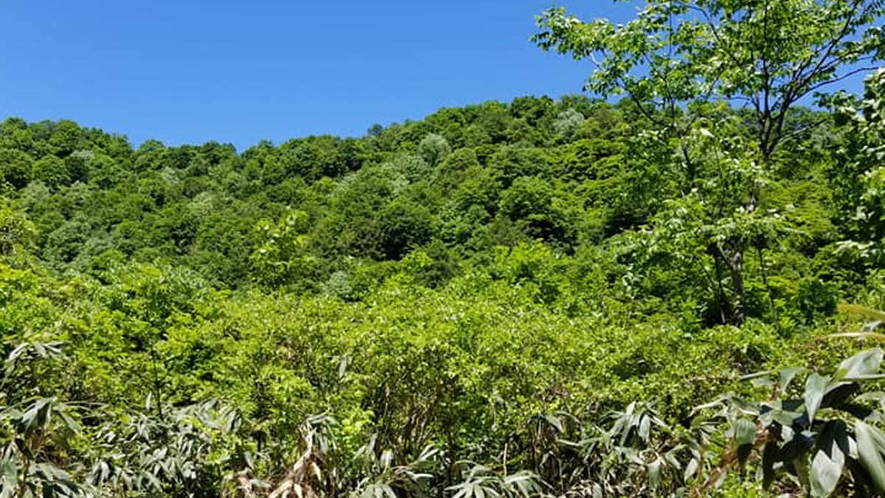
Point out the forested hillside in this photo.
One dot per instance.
(533, 298)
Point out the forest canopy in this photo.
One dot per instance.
(666, 288)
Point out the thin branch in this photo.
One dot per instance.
(841, 77)
(843, 32)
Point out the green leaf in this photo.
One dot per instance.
(744, 431)
(815, 387)
(869, 455)
(523, 484)
(762, 382)
(877, 396)
(690, 468)
(787, 376)
(554, 422)
(838, 393)
(654, 474)
(784, 417)
(861, 366)
(8, 478)
(829, 459)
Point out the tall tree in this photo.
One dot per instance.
(676, 58)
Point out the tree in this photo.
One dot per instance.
(52, 171)
(768, 55)
(79, 165)
(15, 167)
(434, 148)
(403, 224)
(534, 204)
(16, 231)
(856, 174)
(567, 122)
(282, 254)
(677, 58)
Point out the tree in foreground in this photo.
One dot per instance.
(681, 63)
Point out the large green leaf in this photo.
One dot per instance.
(8, 478)
(744, 432)
(786, 376)
(869, 454)
(829, 459)
(862, 366)
(523, 484)
(654, 473)
(815, 388)
(744, 437)
(838, 393)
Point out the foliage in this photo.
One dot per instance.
(822, 440)
(514, 299)
(679, 62)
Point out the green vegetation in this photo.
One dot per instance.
(571, 297)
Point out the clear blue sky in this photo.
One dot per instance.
(189, 71)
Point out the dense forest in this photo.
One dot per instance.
(668, 293)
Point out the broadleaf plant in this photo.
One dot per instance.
(825, 440)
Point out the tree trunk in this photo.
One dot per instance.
(739, 316)
(733, 260)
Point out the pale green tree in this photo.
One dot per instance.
(434, 148)
(567, 122)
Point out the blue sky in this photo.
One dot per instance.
(189, 71)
